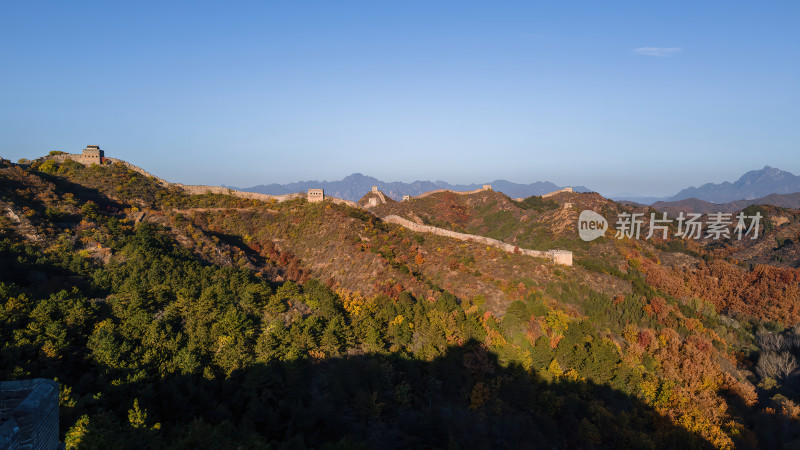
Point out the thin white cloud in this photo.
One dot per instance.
(657, 51)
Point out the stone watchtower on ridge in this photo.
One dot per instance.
(316, 195)
(91, 155)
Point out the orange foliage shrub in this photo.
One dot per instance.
(766, 292)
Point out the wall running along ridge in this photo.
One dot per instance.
(550, 194)
(194, 189)
(425, 194)
(563, 257)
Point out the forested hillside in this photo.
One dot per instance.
(178, 321)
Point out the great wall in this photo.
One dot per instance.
(486, 187)
(550, 194)
(29, 409)
(93, 155)
(191, 189)
(562, 257)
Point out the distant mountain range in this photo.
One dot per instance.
(355, 186)
(753, 185)
(693, 205)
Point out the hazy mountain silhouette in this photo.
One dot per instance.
(354, 186)
(752, 185)
(693, 205)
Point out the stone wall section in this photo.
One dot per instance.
(195, 189)
(563, 257)
(550, 194)
(425, 194)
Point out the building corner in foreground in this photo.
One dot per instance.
(29, 414)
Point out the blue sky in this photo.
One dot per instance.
(645, 97)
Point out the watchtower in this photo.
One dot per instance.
(316, 195)
(92, 155)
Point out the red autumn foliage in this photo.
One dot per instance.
(646, 338)
(765, 292)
